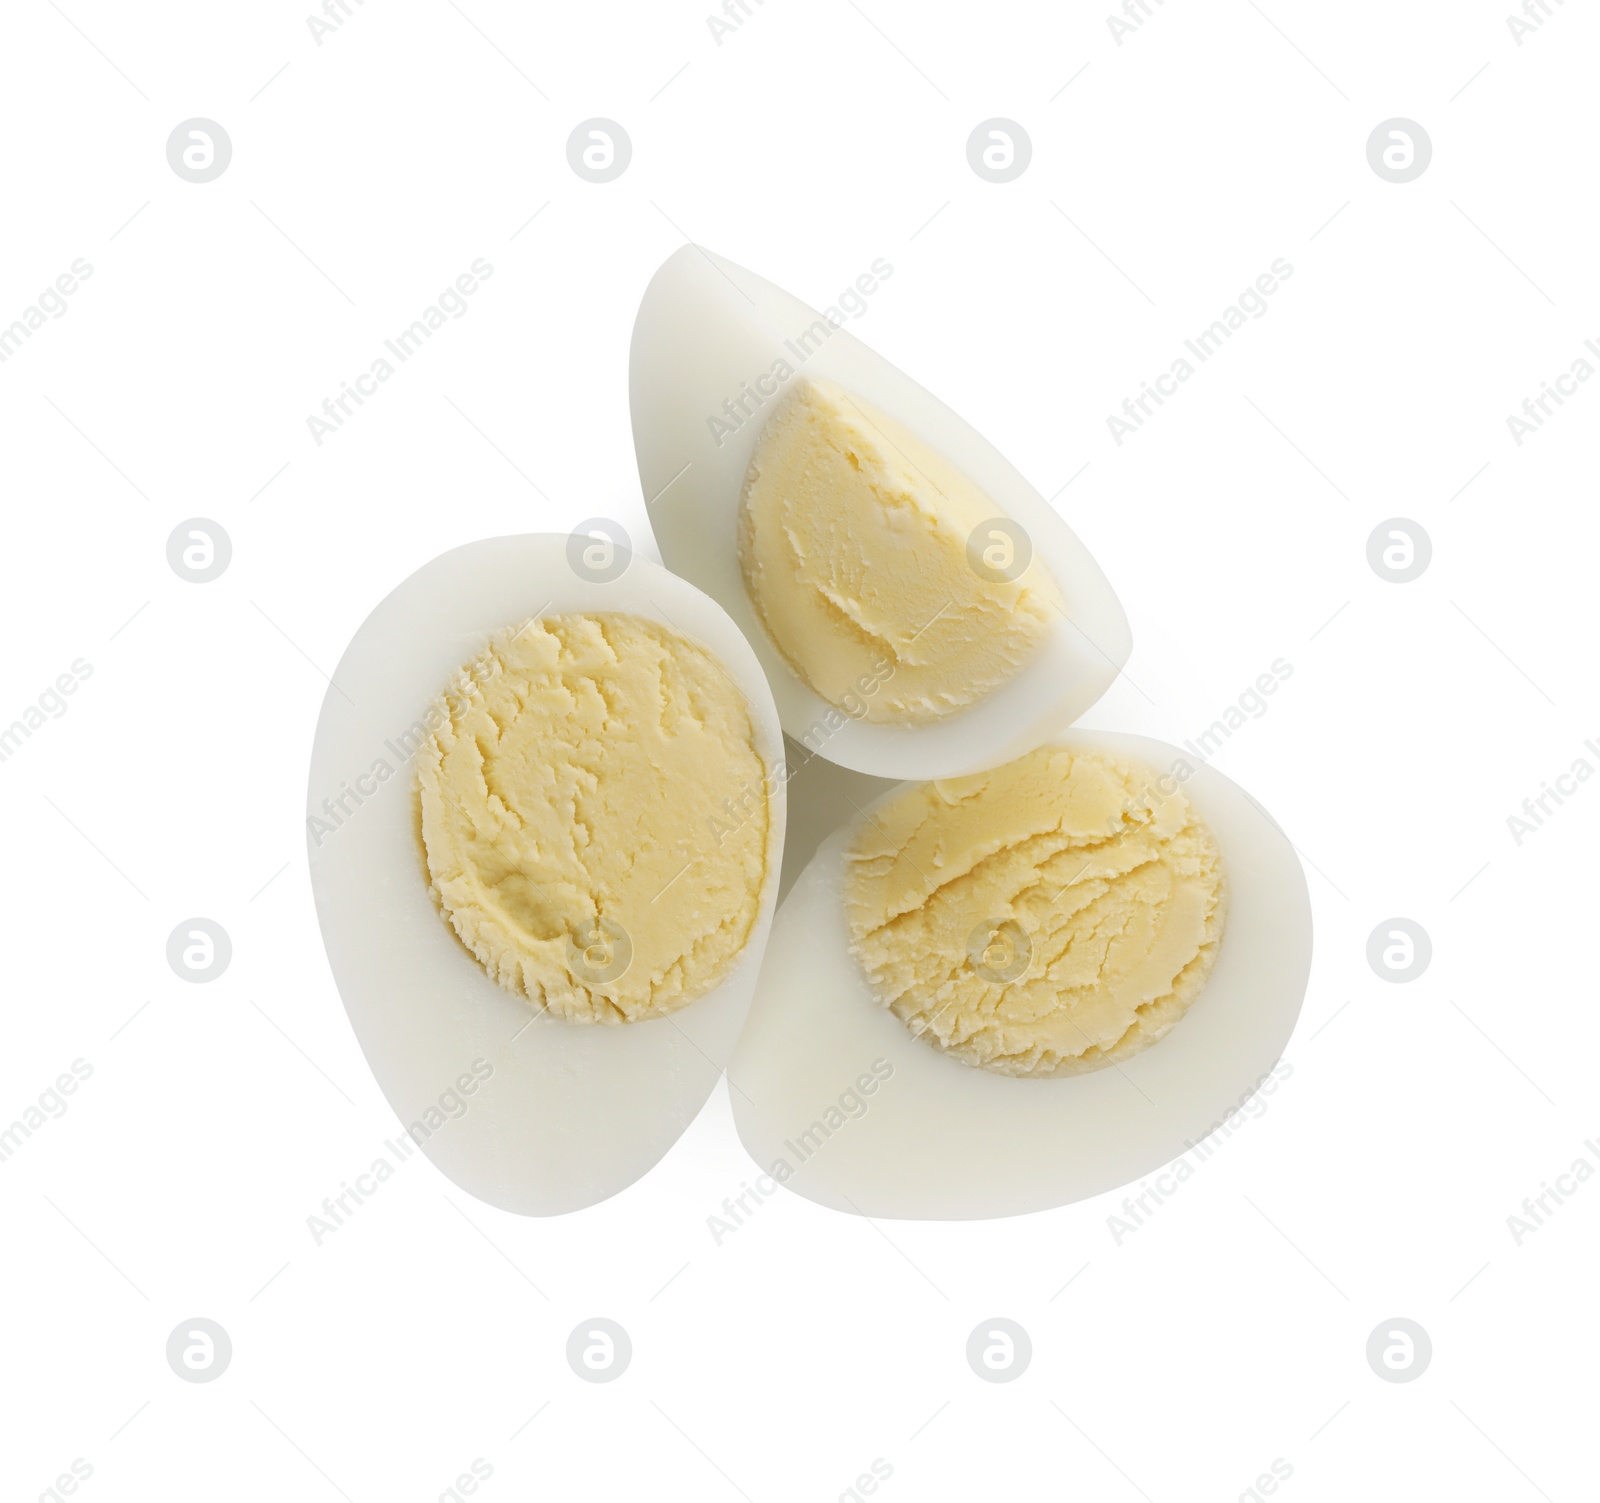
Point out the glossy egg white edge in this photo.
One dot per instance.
(561, 1115)
(707, 328)
(934, 1139)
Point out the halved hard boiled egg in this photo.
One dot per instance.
(545, 819)
(919, 609)
(1009, 991)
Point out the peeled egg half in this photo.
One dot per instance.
(717, 353)
(835, 1096)
(519, 1107)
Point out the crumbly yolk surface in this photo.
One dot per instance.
(1049, 917)
(866, 556)
(568, 791)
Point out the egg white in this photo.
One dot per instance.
(572, 1113)
(941, 1140)
(706, 329)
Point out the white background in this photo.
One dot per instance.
(1167, 173)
